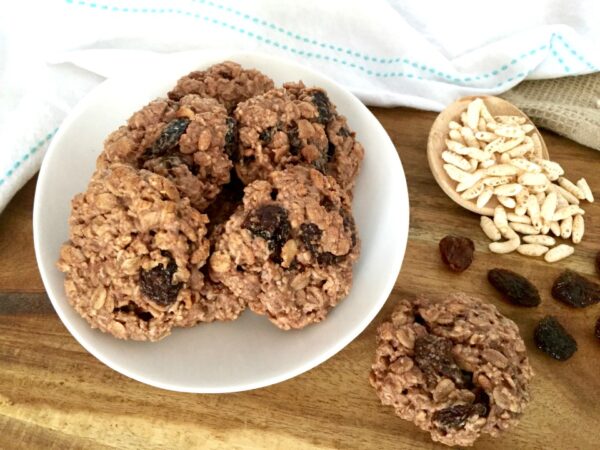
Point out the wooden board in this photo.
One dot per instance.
(54, 395)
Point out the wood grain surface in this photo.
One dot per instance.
(54, 395)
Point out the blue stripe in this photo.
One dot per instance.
(429, 72)
(27, 155)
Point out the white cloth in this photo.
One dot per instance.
(418, 53)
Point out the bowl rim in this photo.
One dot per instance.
(394, 263)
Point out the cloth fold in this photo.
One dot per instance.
(415, 53)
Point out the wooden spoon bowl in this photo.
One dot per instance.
(436, 144)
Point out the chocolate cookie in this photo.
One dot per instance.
(456, 368)
(188, 141)
(289, 249)
(295, 125)
(226, 82)
(132, 264)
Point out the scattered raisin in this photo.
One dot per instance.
(456, 416)
(133, 308)
(457, 252)
(271, 223)
(575, 290)
(597, 330)
(349, 225)
(169, 138)
(344, 132)
(231, 136)
(294, 141)
(328, 258)
(310, 234)
(327, 203)
(598, 262)
(321, 101)
(267, 135)
(551, 338)
(514, 287)
(433, 355)
(157, 283)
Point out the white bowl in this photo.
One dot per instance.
(250, 352)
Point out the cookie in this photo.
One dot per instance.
(456, 367)
(132, 263)
(295, 125)
(289, 248)
(188, 142)
(227, 82)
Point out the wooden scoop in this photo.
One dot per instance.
(437, 144)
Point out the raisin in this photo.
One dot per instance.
(271, 223)
(133, 308)
(597, 330)
(456, 416)
(514, 287)
(321, 101)
(328, 258)
(310, 234)
(344, 132)
(231, 136)
(457, 252)
(433, 355)
(294, 141)
(551, 338)
(327, 203)
(575, 290)
(169, 138)
(267, 135)
(598, 263)
(349, 225)
(157, 283)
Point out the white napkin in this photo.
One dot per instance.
(416, 53)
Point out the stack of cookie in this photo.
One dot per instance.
(229, 193)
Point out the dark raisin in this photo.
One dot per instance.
(271, 223)
(248, 159)
(294, 141)
(327, 203)
(551, 338)
(321, 101)
(457, 252)
(514, 287)
(157, 283)
(310, 235)
(598, 263)
(231, 137)
(274, 193)
(433, 355)
(349, 224)
(344, 132)
(133, 308)
(169, 138)
(575, 290)
(597, 330)
(456, 417)
(267, 135)
(328, 258)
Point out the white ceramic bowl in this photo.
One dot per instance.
(250, 352)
